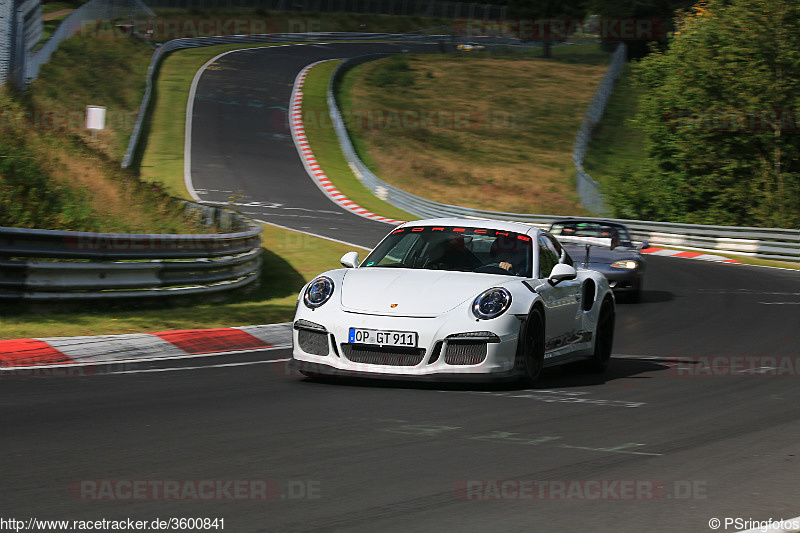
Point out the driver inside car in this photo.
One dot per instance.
(507, 255)
(452, 254)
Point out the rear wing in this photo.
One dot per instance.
(595, 241)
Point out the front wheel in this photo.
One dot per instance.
(603, 338)
(530, 349)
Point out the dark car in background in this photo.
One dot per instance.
(605, 247)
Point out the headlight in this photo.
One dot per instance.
(491, 303)
(318, 292)
(627, 264)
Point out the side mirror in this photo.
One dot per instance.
(644, 245)
(349, 260)
(562, 272)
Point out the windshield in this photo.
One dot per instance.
(459, 249)
(595, 230)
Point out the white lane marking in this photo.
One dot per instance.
(779, 303)
(767, 266)
(759, 370)
(551, 396)
(145, 360)
(634, 356)
(315, 235)
(748, 292)
(222, 365)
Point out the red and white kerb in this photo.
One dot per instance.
(310, 162)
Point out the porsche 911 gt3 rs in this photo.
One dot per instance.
(455, 299)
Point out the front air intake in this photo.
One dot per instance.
(465, 352)
(313, 342)
(383, 355)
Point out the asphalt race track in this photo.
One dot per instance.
(242, 146)
(653, 445)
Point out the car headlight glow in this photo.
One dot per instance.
(318, 292)
(627, 264)
(491, 303)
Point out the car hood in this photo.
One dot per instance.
(601, 254)
(407, 292)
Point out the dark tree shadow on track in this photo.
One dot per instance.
(565, 376)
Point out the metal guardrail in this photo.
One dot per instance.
(589, 191)
(67, 265)
(770, 243)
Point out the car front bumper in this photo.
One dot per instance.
(444, 350)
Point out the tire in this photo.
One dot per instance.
(530, 349)
(603, 338)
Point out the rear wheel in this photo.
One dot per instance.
(604, 338)
(530, 349)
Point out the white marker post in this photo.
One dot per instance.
(95, 119)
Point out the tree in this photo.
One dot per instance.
(659, 12)
(722, 116)
(568, 11)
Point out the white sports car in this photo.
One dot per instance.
(454, 299)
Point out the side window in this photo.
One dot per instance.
(559, 250)
(548, 257)
(399, 251)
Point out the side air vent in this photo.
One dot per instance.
(587, 294)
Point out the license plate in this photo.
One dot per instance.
(383, 338)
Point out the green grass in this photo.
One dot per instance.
(510, 149)
(53, 173)
(617, 145)
(584, 54)
(85, 71)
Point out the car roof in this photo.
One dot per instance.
(501, 225)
